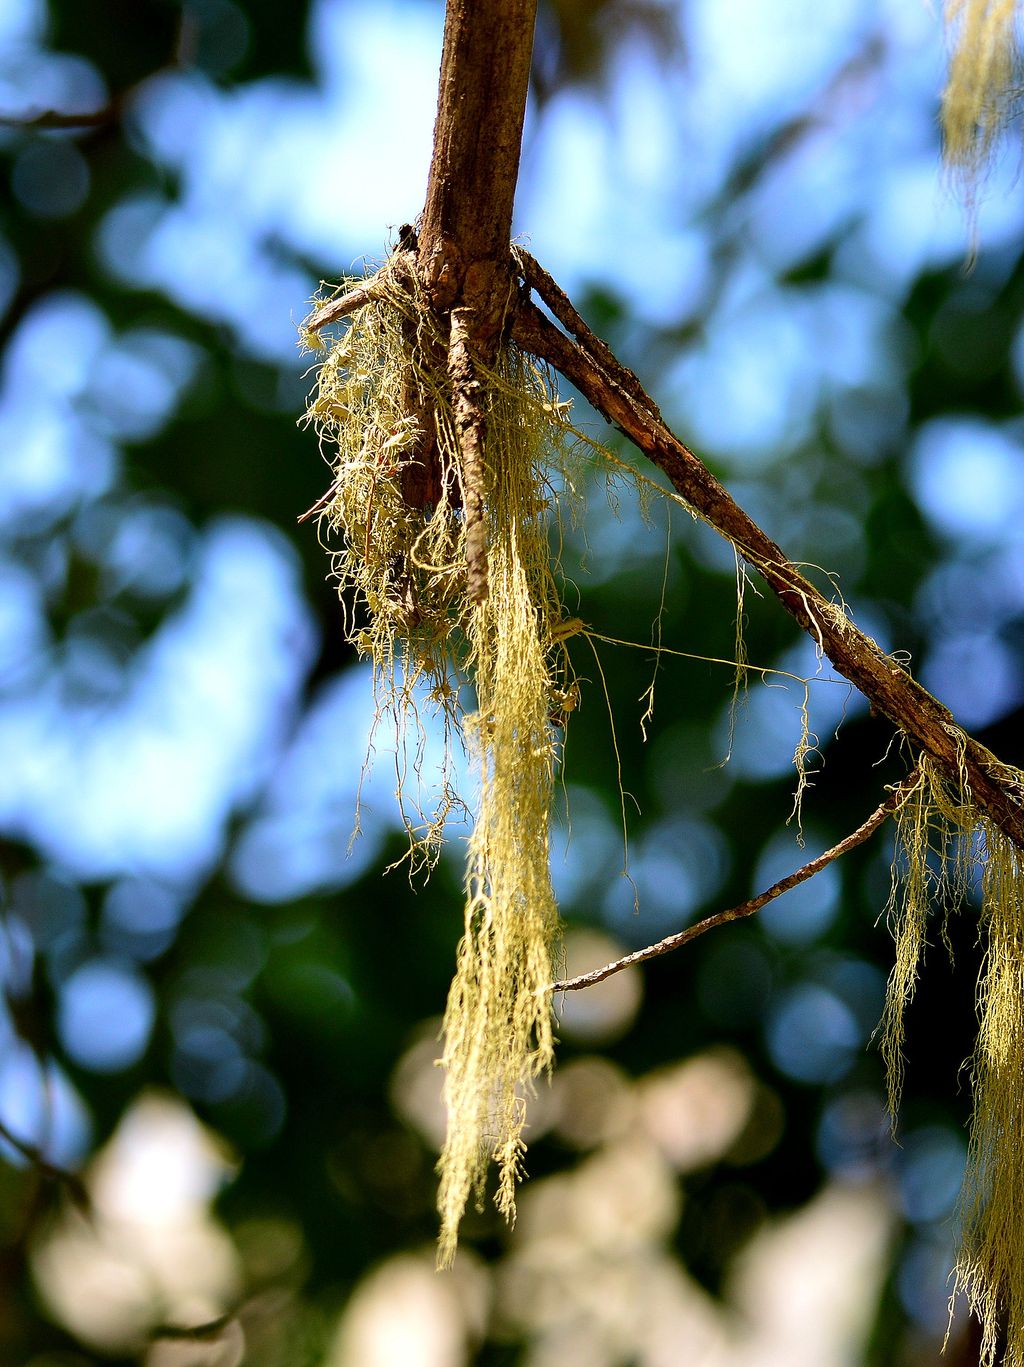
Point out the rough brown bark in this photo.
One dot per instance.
(467, 394)
(464, 255)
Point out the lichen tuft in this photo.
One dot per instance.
(943, 842)
(393, 518)
(982, 90)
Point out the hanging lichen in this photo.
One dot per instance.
(484, 648)
(931, 868)
(990, 1269)
(943, 840)
(498, 1033)
(395, 510)
(982, 85)
(398, 560)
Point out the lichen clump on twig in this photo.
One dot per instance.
(982, 91)
(394, 519)
(944, 840)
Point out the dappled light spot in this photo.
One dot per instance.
(271, 1248)
(41, 79)
(51, 179)
(922, 1281)
(978, 676)
(140, 917)
(51, 909)
(854, 1139)
(965, 473)
(806, 912)
(595, 1101)
(695, 1111)
(324, 817)
(751, 392)
(222, 1346)
(54, 347)
(606, 1010)
(217, 1038)
(971, 593)
(617, 1202)
(415, 1092)
(415, 1086)
(138, 381)
(253, 1106)
(105, 1015)
(675, 867)
(149, 784)
(930, 1170)
(151, 1252)
(583, 845)
(807, 1285)
(812, 1034)
(588, 1277)
(403, 1312)
(40, 1107)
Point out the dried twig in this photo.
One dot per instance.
(563, 309)
(50, 1171)
(737, 913)
(341, 307)
(46, 119)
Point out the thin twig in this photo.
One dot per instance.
(341, 307)
(471, 424)
(41, 1165)
(55, 118)
(315, 509)
(737, 913)
(208, 1332)
(563, 309)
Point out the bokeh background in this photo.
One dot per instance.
(218, 1099)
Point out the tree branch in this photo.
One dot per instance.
(464, 261)
(609, 387)
(737, 913)
(341, 307)
(552, 294)
(464, 254)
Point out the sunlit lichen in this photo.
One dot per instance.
(393, 519)
(943, 841)
(982, 86)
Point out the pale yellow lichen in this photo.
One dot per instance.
(930, 867)
(990, 1268)
(498, 1034)
(943, 840)
(982, 85)
(381, 387)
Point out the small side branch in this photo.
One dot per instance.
(341, 307)
(738, 913)
(471, 425)
(50, 1172)
(552, 294)
(45, 119)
